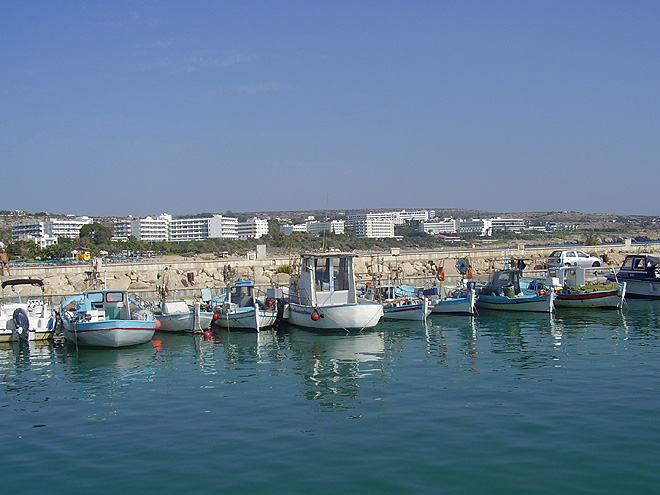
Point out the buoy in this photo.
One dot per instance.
(315, 315)
(157, 324)
(215, 316)
(207, 334)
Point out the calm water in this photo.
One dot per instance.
(495, 404)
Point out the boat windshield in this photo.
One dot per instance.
(339, 267)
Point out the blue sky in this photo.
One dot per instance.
(143, 107)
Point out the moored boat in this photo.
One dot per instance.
(503, 292)
(240, 308)
(25, 314)
(324, 295)
(641, 273)
(460, 299)
(106, 318)
(179, 316)
(400, 302)
(573, 292)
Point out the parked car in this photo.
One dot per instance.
(573, 257)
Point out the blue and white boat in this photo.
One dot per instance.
(240, 308)
(503, 292)
(458, 300)
(641, 273)
(106, 318)
(400, 302)
(324, 295)
(179, 316)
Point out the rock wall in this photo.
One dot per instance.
(410, 267)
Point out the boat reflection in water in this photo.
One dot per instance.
(100, 367)
(332, 365)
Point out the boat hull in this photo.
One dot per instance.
(109, 333)
(416, 311)
(538, 304)
(460, 305)
(612, 299)
(41, 328)
(357, 316)
(245, 318)
(646, 289)
(33, 335)
(184, 322)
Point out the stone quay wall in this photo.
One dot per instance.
(187, 274)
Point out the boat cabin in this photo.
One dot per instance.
(503, 282)
(325, 280)
(242, 293)
(105, 304)
(640, 266)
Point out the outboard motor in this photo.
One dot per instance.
(22, 323)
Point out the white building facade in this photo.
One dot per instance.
(46, 233)
(445, 226)
(197, 229)
(253, 228)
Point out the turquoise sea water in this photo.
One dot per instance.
(500, 403)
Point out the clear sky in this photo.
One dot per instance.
(144, 107)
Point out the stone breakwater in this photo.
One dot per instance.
(185, 273)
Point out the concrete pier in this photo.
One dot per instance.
(201, 272)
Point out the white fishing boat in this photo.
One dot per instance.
(324, 295)
(106, 318)
(641, 272)
(503, 292)
(240, 308)
(25, 314)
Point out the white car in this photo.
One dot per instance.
(573, 257)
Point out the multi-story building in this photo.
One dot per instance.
(166, 228)
(148, 229)
(197, 229)
(317, 228)
(508, 224)
(475, 226)
(392, 216)
(46, 233)
(374, 228)
(289, 229)
(445, 226)
(418, 215)
(253, 228)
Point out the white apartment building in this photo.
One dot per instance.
(508, 224)
(392, 216)
(374, 228)
(317, 228)
(475, 226)
(47, 232)
(148, 229)
(419, 215)
(197, 229)
(253, 228)
(433, 227)
(289, 229)
(165, 228)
